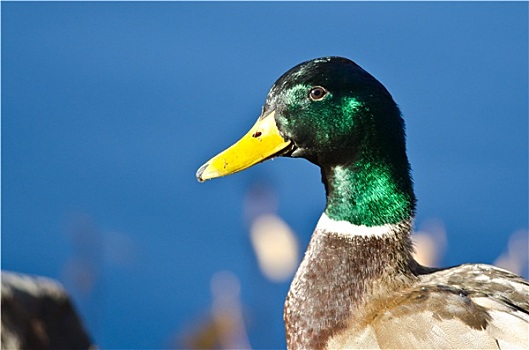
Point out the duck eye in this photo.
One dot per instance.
(317, 93)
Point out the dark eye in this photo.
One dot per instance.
(317, 93)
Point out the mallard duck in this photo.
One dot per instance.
(358, 285)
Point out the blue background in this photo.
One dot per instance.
(109, 108)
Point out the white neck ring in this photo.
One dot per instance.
(345, 228)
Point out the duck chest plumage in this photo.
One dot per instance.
(358, 286)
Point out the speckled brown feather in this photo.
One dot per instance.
(367, 292)
(338, 277)
(465, 307)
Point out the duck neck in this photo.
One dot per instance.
(370, 193)
(360, 252)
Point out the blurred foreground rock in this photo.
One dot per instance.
(37, 314)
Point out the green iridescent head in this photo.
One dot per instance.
(341, 118)
(330, 108)
(333, 113)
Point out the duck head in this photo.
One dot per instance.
(327, 110)
(335, 114)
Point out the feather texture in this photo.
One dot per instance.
(487, 308)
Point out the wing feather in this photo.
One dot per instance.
(466, 307)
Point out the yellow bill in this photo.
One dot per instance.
(263, 141)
